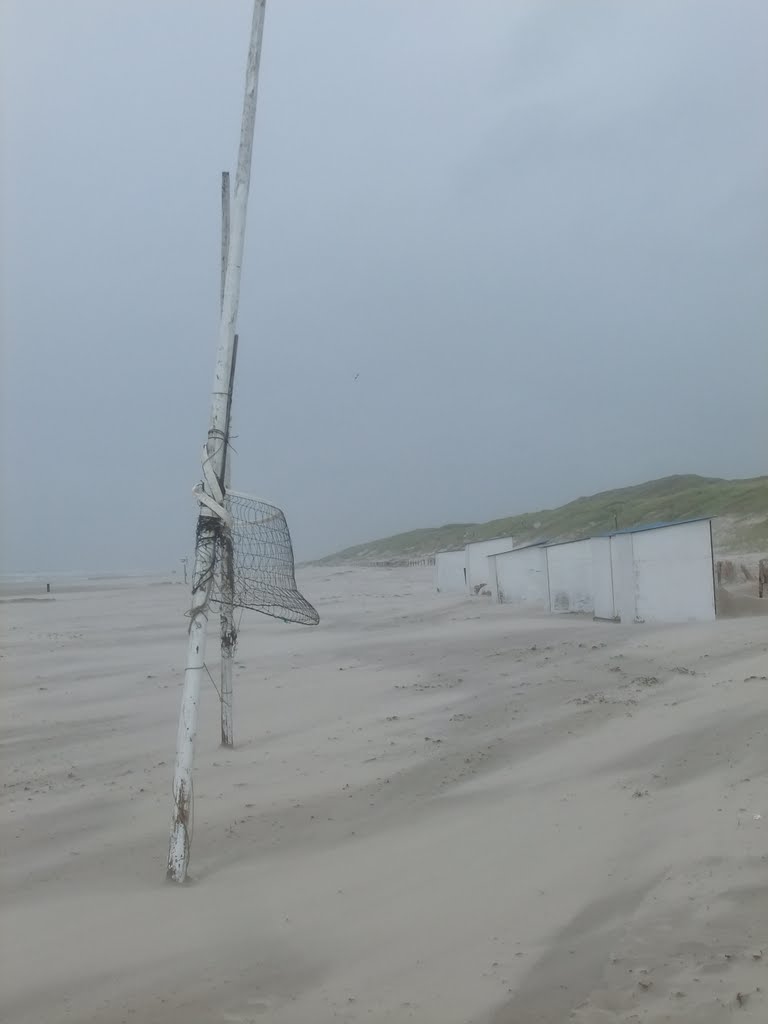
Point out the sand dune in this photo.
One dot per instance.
(437, 810)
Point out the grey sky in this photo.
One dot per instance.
(536, 230)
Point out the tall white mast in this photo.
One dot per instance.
(211, 491)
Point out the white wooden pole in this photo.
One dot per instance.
(227, 629)
(211, 491)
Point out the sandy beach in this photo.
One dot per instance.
(437, 810)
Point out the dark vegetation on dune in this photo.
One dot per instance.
(743, 504)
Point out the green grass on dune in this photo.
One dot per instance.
(745, 502)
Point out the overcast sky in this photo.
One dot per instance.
(535, 230)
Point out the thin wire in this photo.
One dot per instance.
(221, 699)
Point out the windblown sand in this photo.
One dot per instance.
(437, 811)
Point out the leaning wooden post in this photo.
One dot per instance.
(211, 491)
(227, 628)
(224, 235)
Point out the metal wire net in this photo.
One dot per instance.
(262, 562)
